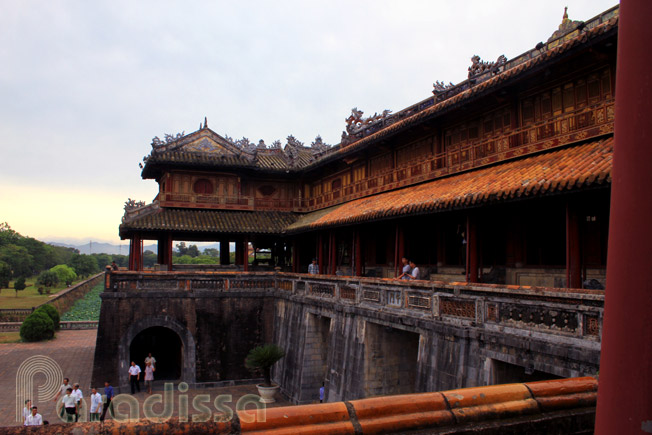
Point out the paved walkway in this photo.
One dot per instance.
(73, 351)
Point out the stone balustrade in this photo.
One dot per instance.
(572, 313)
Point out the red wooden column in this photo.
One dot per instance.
(399, 249)
(573, 259)
(169, 252)
(320, 254)
(333, 253)
(295, 256)
(131, 254)
(471, 250)
(245, 253)
(136, 253)
(357, 252)
(238, 252)
(225, 258)
(624, 398)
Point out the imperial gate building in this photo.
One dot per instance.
(497, 187)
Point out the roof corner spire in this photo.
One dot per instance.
(205, 122)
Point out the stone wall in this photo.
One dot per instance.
(216, 331)
(361, 337)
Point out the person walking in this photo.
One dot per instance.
(134, 377)
(77, 393)
(27, 410)
(96, 405)
(149, 377)
(69, 404)
(108, 392)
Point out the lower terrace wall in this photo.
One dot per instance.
(360, 337)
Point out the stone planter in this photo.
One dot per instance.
(267, 393)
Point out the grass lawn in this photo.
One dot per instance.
(29, 297)
(9, 337)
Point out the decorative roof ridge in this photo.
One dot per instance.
(429, 107)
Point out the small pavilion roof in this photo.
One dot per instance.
(210, 221)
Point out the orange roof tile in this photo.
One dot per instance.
(566, 169)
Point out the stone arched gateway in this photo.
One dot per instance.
(187, 346)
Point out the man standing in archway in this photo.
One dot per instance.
(134, 377)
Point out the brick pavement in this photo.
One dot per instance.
(73, 351)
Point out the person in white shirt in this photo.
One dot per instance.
(77, 393)
(34, 419)
(96, 405)
(27, 409)
(69, 403)
(134, 377)
(415, 270)
(150, 359)
(149, 377)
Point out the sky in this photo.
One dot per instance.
(85, 86)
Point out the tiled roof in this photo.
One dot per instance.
(212, 221)
(557, 171)
(277, 160)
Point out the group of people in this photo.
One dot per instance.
(72, 403)
(409, 270)
(135, 371)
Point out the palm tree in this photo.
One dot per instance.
(263, 358)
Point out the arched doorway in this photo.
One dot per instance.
(186, 349)
(165, 345)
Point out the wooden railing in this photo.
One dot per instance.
(571, 313)
(592, 121)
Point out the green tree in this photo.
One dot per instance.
(63, 254)
(18, 258)
(7, 235)
(83, 264)
(47, 279)
(149, 258)
(19, 285)
(103, 260)
(43, 255)
(5, 274)
(65, 273)
(211, 252)
(182, 249)
(193, 251)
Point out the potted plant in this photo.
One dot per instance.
(263, 358)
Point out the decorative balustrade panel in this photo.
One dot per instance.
(551, 311)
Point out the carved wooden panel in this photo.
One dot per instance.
(394, 298)
(251, 284)
(285, 285)
(207, 284)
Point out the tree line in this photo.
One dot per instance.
(22, 257)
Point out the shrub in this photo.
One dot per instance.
(52, 313)
(36, 327)
(263, 358)
(5, 274)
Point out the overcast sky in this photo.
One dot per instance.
(86, 85)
